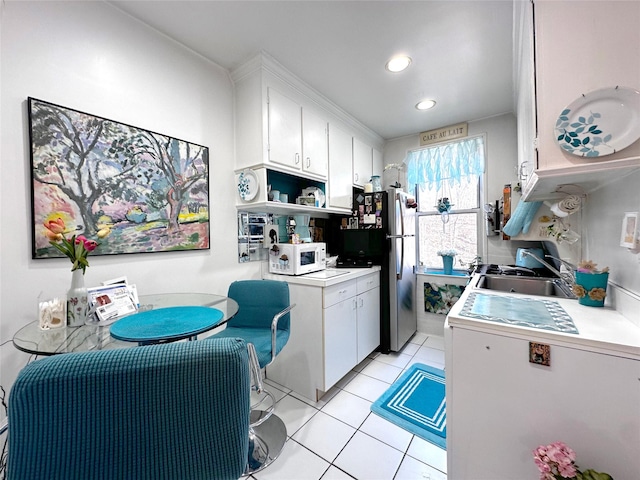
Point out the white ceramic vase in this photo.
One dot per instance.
(77, 300)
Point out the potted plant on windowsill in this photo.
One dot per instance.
(447, 260)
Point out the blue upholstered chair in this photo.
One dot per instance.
(263, 322)
(171, 411)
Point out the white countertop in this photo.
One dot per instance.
(323, 278)
(600, 329)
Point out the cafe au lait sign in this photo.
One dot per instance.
(443, 134)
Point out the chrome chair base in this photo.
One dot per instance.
(266, 441)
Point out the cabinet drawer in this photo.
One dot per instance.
(368, 282)
(339, 292)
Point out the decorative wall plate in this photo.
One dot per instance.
(248, 185)
(600, 123)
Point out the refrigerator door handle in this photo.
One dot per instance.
(401, 214)
(399, 273)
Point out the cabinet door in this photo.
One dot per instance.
(368, 322)
(525, 91)
(495, 395)
(285, 130)
(377, 165)
(362, 162)
(340, 168)
(340, 339)
(315, 147)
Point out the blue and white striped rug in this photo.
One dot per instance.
(416, 402)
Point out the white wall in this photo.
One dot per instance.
(603, 213)
(501, 148)
(91, 57)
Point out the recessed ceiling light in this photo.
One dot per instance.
(426, 104)
(397, 64)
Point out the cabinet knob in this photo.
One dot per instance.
(297, 158)
(308, 162)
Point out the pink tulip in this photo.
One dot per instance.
(90, 245)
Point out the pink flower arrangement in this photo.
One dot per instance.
(557, 461)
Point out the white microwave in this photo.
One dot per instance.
(298, 259)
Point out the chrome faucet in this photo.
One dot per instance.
(566, 277)
(570, 266)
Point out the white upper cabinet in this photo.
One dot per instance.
(525, 89)
(378, 163)
(340, 168)
(570, 62)
(282, 124)
(362, 162)
(297, 136)
(285, 130)
(315, 145)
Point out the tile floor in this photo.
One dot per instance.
(340, 438)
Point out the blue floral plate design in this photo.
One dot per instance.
(600, 123)
(248, 185)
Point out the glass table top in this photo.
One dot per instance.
(32, 339)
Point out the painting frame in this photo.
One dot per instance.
(629, 232)
(131, 189)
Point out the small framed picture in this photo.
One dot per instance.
(270, 235)
(629, 235)
(540, 353)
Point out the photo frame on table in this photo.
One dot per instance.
(629, 234)
(146, 191)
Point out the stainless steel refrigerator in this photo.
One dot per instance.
(401, 233)
(381, 231)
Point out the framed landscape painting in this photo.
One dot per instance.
(145, 191)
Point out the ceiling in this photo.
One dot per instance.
(461, 51)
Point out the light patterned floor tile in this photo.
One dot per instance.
(399, 360)
(295, 462)
(325, 435)
(366, 458)
(410, 348)
(348, 408)
(429, 355)
(367, 387)
(334, 473)
(435, 341)
(382, 371)
(294, 413)
(428, 453)
(387, 432)
(412, 469)
(418, 338)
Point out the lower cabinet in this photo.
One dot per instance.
(498, 401)
(332, 330)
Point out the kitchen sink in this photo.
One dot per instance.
(546, 287)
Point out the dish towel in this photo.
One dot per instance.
(521, 220)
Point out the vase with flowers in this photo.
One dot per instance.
(447, 260)
(591, 284)
(77, 249)
(557, 461)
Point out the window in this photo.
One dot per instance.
(451, 171)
